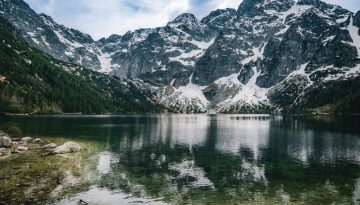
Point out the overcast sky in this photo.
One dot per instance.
(101, 18)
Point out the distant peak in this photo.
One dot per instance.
(310, 2)
(218, 14)
(221, 11)
(184, 18)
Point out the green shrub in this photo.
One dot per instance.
(11, 128)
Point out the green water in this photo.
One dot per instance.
(207, 159)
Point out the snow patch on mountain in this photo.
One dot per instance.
(294, 11)
(229, 81)
(105, 62)
(354, 33)
(193, 92)
(186, 99)
(249, 95)
(70, 43)
(188, 58)
(257, 53)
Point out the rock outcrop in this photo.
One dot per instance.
(5, 140)
(68, 147)
(50, 146)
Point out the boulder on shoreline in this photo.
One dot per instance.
(26, 139)
(50, 146)
(5, 141)
(68, 147)
(22, 148)
(3, 151)
(37, 141)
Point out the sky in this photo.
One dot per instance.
(102, 18)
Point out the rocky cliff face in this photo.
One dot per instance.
(42, 32)
(265, 56)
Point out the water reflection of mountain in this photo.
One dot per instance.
(249, 153)
(230, 134)
(221, 158)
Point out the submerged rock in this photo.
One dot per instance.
(37, 141)
(5, 142)
(68, 147)
(50, 146)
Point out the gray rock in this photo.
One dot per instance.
(26, 139)
(5, 142)
(4, 151)
(68, 147)
(22, 148)
(50, 146)
(37, 141)
(16, 152)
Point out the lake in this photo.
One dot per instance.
(192, 159)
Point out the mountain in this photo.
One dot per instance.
(266, 56)
(33, 82)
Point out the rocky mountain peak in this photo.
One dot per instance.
(219, 17)
(111, 39)
(316, 3)
(251, 6)
(187, 19)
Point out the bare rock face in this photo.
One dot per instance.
(5, 141)
(68, 147)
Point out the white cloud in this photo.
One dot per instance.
(221, 4)
(45, 6)
(106, 17)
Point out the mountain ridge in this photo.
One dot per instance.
(32, 82)
(230, 61)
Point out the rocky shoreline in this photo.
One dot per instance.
(10, 145)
